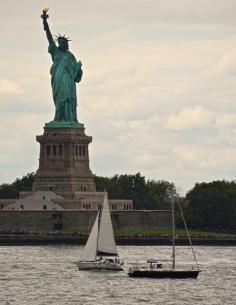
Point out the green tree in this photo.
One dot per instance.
(8, 191)
(149, 194)
(212, 205)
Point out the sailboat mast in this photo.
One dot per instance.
(99, 220)
(173, 231)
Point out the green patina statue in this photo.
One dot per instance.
(65, 72)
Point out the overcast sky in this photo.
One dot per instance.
(158, 93)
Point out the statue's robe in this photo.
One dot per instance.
(65, 72)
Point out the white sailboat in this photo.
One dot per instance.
(100, 251)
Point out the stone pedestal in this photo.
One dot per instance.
(64, 162)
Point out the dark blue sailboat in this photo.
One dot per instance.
(160, 272)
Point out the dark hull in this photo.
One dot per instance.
(165, 273)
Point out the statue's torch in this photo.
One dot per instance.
(44, 15)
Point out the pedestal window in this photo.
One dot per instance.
(54, 150)
(48, 150)
(60, 150)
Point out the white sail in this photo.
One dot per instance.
(90, 250)
(106, 240)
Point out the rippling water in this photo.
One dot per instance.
(41, 275)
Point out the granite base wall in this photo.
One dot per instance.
(47, 221)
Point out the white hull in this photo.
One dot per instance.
(100, 265)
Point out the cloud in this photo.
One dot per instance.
(226, 65)
(188, 118)
(206, 157)
(9, 87)
(225, 120)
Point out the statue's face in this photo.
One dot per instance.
(63, 45)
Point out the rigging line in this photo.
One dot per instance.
(190, 242)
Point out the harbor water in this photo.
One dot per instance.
(42, 275)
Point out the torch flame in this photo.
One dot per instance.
(45, 10)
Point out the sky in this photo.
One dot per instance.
(158, 93)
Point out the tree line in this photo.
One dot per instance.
(207, 206)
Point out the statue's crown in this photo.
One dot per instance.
(59, 37)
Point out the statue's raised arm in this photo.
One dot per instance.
(45, 16)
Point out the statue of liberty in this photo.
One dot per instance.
(65, 72)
